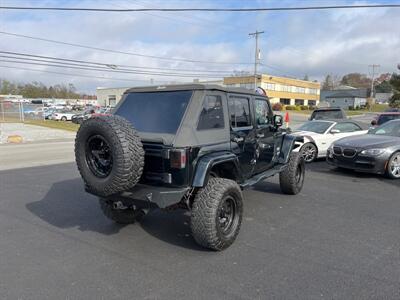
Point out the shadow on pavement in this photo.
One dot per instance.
(172, 227)
(267, 187)
(323, 167)
(66, 205)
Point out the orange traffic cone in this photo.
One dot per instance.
(287, 119)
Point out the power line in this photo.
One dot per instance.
(108, 65)
(122, 52)
(261, 9)
(63, 65)
(73, 74)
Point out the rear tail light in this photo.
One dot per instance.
(177, 158)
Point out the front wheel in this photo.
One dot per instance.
(309, 152)
(64, 119)
(292, 178)
(217, 214)
(393, 166)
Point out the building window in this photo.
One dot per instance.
(312, 91)
(270, 86)
(239, 112)
(284, 101)
(299, 102)
(312, 102)
(112, 100)
(211, 115)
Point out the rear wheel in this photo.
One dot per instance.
(309, 152)
(64, 118)
(217, 214)
(292, 178)
(393, 167)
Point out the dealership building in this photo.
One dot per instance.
(287, 91)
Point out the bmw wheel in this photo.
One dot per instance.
(393, 167)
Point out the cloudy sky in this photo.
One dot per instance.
(295, 43)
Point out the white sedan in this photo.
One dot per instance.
(62, 115)
(319, 135)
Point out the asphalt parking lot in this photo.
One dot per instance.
(338, 239)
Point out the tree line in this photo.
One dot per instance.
(384, 83)
(37, 89)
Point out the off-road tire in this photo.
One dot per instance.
(120, 216)
(206, 209)
(126, 150)
(292, 178)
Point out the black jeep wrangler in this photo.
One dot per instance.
(186, 146)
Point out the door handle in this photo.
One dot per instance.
(238, 139)
(260, 135)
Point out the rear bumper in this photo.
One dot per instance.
(148, 196)
(376, 165)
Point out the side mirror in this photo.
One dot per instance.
(278, 120)
(333, 131)
(374, 122)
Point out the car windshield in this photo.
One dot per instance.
(386, 118)
(326, 115)
(391, 129)
(315, 126)
(159, 112)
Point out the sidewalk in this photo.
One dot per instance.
(31, 133)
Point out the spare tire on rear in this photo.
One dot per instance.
(109, 155)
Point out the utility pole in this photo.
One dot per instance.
(373, 66)
(256, 55)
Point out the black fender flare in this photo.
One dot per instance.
(208, 161)
(286, 148)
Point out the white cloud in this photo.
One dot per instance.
(295, 43)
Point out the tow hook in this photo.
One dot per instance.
(119, 205)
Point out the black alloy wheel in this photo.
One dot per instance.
(228, 217)
(99, 156)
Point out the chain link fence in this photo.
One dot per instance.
(20, 112)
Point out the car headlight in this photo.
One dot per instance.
(373, 152)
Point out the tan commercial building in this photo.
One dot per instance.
(287, 91)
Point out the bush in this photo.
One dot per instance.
(290, 107)
(277, 106)
(311, 107)
(303, 107)
(298, 108)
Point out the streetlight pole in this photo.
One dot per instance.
(256, 55)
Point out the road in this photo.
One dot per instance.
(36, 154)
(338, 239)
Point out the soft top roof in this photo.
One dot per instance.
(186, 87)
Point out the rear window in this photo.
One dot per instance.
(327, 114)
(158, 112)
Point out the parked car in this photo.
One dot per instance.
(328, 113)
(376, 152)
(385, 117)
(62, 115)
(79, 118)
(49, 112)
(186, 146)
(319, 135)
